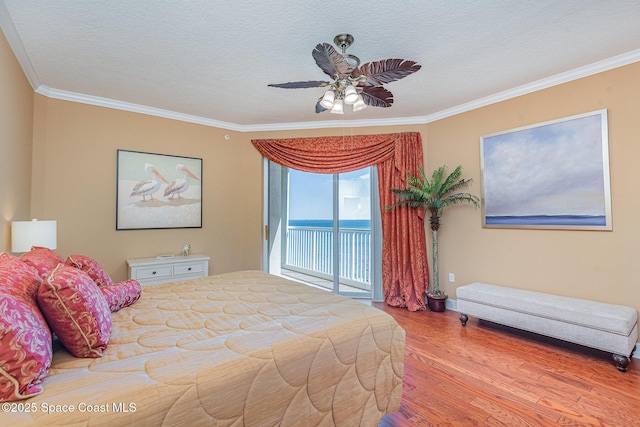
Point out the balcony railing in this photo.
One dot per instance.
(310, 251)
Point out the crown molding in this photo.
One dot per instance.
(15, 42)
(135, 108)
(578, 73)
(328, 124)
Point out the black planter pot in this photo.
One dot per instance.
(437, 303)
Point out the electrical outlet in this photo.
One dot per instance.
(452, 277)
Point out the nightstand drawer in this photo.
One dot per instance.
(153, 272)
(190, 268)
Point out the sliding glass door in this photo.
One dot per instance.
(324, 229)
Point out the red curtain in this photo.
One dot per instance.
(404, 259)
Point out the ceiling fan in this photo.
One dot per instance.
(352, 83)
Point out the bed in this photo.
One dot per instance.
(239, 349)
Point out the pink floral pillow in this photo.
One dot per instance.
(122, 294)
(76, 311)
(25, 338)
(5, 256)
(91, 267)
(42, 259)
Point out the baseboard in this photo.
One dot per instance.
(452, 304)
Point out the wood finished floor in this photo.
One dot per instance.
(490, 375)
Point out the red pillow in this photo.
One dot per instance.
(122, 294)
(42, 259)
(25, 338)
(76, 311)
(91, 267)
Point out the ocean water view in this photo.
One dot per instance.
(577, 220)
(360, 224)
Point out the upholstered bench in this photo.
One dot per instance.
(608, 327)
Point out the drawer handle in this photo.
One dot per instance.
(153, 272)
(189, 268)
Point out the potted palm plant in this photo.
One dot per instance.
(434, 195)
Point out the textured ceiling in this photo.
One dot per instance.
(211, 61)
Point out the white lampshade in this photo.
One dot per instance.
(327, 99)
(337, 107)
(359, 104)
(350, 95)
(25, 234)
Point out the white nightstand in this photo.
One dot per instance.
(152, 271)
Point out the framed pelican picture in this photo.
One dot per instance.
(551, 175)
(158, 191)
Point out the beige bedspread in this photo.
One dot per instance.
(238, 349)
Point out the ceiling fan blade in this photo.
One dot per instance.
(330, 61)
(378, 73)
(377, 96)
(301, 85)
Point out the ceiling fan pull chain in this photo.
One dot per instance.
(351, 139)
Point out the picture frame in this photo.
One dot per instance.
(550, 175)
(155, 191)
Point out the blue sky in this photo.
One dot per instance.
(554, 169)
(310, 195)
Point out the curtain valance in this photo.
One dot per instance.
(329, 154)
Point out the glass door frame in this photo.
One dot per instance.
(274, 231)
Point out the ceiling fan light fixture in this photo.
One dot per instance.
(350, 95)
(337, 107)
(327, 99)
(359, 104)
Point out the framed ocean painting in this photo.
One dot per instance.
(551, 175)
(158, 191)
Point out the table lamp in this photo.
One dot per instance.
(25, 234)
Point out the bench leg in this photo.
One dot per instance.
(621, 362)
(463, 319)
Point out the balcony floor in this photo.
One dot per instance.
(320, 283)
